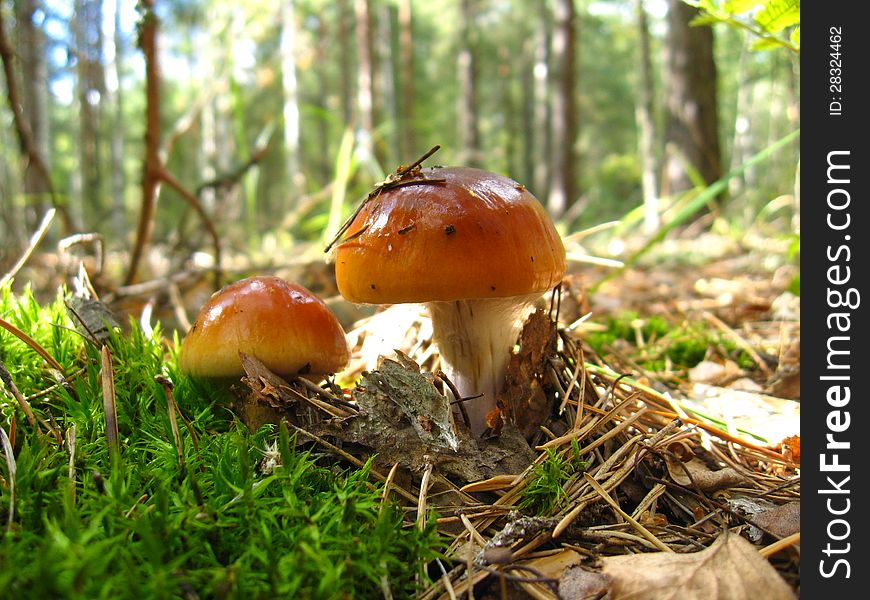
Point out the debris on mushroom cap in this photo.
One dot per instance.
(283, 324)
(449, 233)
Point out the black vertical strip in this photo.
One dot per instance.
(834, 195)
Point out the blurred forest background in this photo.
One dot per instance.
(178, 133)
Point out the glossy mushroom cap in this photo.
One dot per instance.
(283, 324)
(474, 235)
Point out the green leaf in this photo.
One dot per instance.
(738, 7)
(765, 43)
(705, 19)
(795, 37)
(779, 14)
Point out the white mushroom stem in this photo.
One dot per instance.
(475, 338)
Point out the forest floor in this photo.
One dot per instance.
(678, 387)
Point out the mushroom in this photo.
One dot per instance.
(283, 324)
(477, 248)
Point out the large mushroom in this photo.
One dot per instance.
(476, 247)
(282, 324)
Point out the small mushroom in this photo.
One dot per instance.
(283, 324)
(477, 248)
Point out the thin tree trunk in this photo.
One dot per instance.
(113, 51)
(530, 132)
(27, 147)
(344, 63)
(152, 165)
(291, 100)
(563, 188)
(645, 115)
(89, 63)
(511, 121)
(741, 143)
(406, 52)
(385, 96)
(469, 133)
(323, 161)
(542, 105)
(365, 95)
(34, 80)
(691, 133)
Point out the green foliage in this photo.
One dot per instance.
(143, 524)
(680, 346)
(766, 19)
(545, 492)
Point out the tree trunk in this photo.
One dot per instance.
(469, 134)
(91, 89)
(113, 51)
(527, 98)
(365, 92)
(386, 109)
(645, 116)
(742, 142)
(541, 72)
(691, 134)
(294, 181)
(344, 63)
(563, 180)
(406, 52)
(34, 88)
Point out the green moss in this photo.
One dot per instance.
(676, 345)
(545, 491)
(140, 524)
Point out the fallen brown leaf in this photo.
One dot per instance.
(730, 569)
(782, 521)
(696, 474)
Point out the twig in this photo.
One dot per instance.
(152, 163)
(107, 378)
(6, 378)
(233, 177)
(10, 464)
(25, 139)
(717, 322)
(193, 201)
(172, 408)
(71, 471)
(782, 544)
(640, 528)
(37, 237)
(32, 343)
(421, 500)
(351, 459)
(394, 180)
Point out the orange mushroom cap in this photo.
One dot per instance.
(283, 324)
(475, 234)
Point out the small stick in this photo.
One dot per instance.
(71, 472)
(351, 459)
(394, 180)
(739, 341)
(782, 544)
(640, 528)
(173, 422)
(32, 343)
(31, 246)
(107, 378)
(10, 463)
(389, 482)
(459, 399)
(421, 500)
(6, 377)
